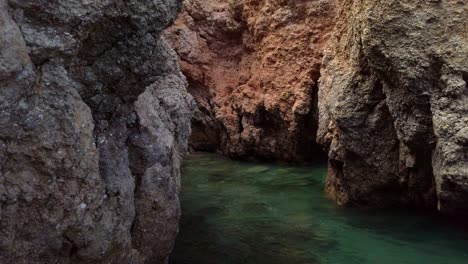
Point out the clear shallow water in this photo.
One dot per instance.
(250, 213)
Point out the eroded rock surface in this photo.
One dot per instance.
(94, 116)
(253, 67)
(394, 104)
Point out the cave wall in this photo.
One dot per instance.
(94, 112)
(253, 68)
(393, 104)
(390, 105)
(94, 118)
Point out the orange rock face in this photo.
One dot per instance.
(253, 67)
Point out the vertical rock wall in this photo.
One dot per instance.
(394, 104)
(94, 117)
(253, 68)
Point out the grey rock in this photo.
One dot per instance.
(94, 118)
(394, 104)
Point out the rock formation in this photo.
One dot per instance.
(253, 67)
(394, 104)
(94, 117)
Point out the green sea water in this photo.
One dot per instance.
(251, 213)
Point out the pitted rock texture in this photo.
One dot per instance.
(393, 104)
(253, 67)
(94, 117)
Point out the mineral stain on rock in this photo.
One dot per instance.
(253, 68)
(95, 113)
(381, 86)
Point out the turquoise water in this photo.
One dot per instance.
(237, 212)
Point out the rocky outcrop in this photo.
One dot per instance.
(253, 67)
(394, 104)
(94, 117)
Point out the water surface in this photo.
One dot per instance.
(251, 213)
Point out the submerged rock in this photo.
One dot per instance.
(393, 104)
(253, 68)
(94, 117)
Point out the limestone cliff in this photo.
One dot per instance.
(394, 104)
(253, 67)
(94, 117)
